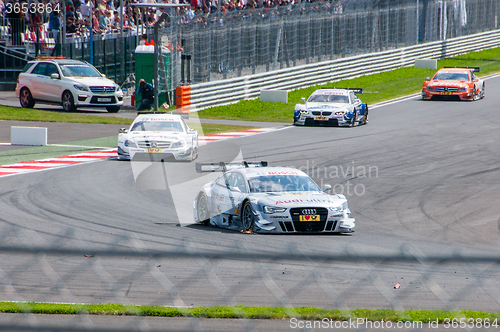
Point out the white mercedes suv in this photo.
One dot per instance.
(70, 83)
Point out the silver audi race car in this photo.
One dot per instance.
(332, 107)
(252, 197)
(158, 137)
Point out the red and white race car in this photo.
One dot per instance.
(454, 83)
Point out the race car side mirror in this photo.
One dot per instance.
(327, 187)
(427, 78)
(122, 130)
(235, 189)
(303, 100)
(55, 76)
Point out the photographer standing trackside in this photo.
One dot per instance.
(147, 95)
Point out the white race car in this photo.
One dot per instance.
(252, 197)
(332, 107)
(155, 137)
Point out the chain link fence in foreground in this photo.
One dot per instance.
(191, 276)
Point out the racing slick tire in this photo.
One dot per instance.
(26, 99)
(353, 120)
(202, 210)
(475, 95)
(247, 217)
(194, 154)
(478, 94)
(365, 119)
(68, 103)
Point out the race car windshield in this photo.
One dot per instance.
(280, 183)
(329, 98)
(79, 71)
(451, 77)
(171, 126)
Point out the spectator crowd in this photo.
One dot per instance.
(78, 17)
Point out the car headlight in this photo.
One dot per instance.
(462, 89)
(178, 144)
(118, 88)
(340, 113)
(304, 112)
(430, 88)
(130, 143)
(336, 209)
(273, 209)
(81, 87)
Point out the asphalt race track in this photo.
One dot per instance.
(421, 178)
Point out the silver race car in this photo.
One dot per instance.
(332, 107)
(252, 197)
(155, 137)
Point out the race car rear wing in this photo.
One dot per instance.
(224, 167)
(183, 115)
(150, 112)
(474, 69)
(355, 90)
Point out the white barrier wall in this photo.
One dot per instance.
(28, 135)
(209, 94)
(426, 63)
(274, 96)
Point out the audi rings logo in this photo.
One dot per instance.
(154, 144)
(309, 211)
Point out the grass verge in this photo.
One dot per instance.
(23, 114)
(377, 88)
(300, 313)
(31, 114)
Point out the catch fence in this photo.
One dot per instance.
(129, 273)
(256, 40)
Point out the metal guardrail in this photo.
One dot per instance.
(209, 94)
